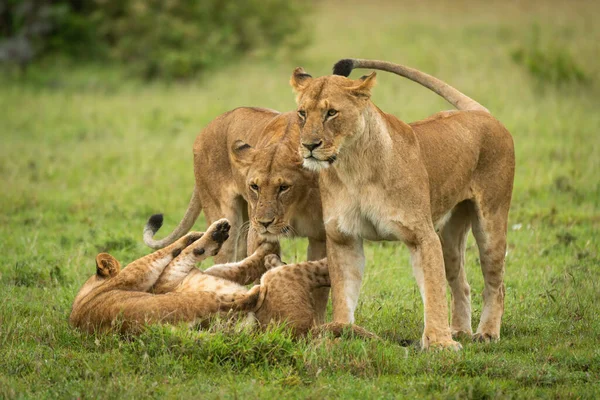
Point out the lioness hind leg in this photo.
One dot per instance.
(489, 229)
(453, 236)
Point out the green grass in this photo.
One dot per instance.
(87, 154)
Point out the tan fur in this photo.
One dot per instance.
(238, 150)
(383, 179)
(166, 287)
(242, 149)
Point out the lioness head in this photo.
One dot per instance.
(276, 184)
(331, 113)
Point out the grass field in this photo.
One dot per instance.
(87, 154)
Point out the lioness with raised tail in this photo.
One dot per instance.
(426, 183)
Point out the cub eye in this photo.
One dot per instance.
(254, 187)
(302, 114)
(331, 112)
(283, 188)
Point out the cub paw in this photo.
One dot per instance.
(221, 231)
(273, 261)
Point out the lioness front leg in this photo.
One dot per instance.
(346, 261)
(428, 267)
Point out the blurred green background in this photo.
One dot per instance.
(171, 39)
(100, 102)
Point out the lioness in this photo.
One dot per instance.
(166, 287)
(247, 167)
(383, 179)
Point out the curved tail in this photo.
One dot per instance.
(457, 99)
(155, 222)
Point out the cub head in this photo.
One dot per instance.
(330, 112)
(107, 267)
(276, 184)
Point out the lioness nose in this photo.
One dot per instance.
(312, 146)
(267, 223)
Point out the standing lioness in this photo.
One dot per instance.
(383, 179)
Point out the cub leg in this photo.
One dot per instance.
(143, 273)
(246, 271)
(206, 246)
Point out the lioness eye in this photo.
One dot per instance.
(254, 186)
(302, 114)
(283, 188)
(331, 112)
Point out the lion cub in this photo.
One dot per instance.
(166, 287)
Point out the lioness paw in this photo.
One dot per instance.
(485, 337)
(445, 344)
(461, 334)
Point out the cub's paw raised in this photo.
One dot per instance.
(220, 232)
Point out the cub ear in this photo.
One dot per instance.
(107, 266)
(364, 86)
(242, 153)
(299, 79)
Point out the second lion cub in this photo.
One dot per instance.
(166, 287)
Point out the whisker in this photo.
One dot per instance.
(288, 231)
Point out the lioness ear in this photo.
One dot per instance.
(299, 79)
(242, 153)
(363, 89)
(107, 266)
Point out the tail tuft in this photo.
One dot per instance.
(154, 223)
(343, 67)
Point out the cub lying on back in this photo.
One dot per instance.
(166, 287)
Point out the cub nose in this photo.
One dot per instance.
(266, 223)
(312, 146)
